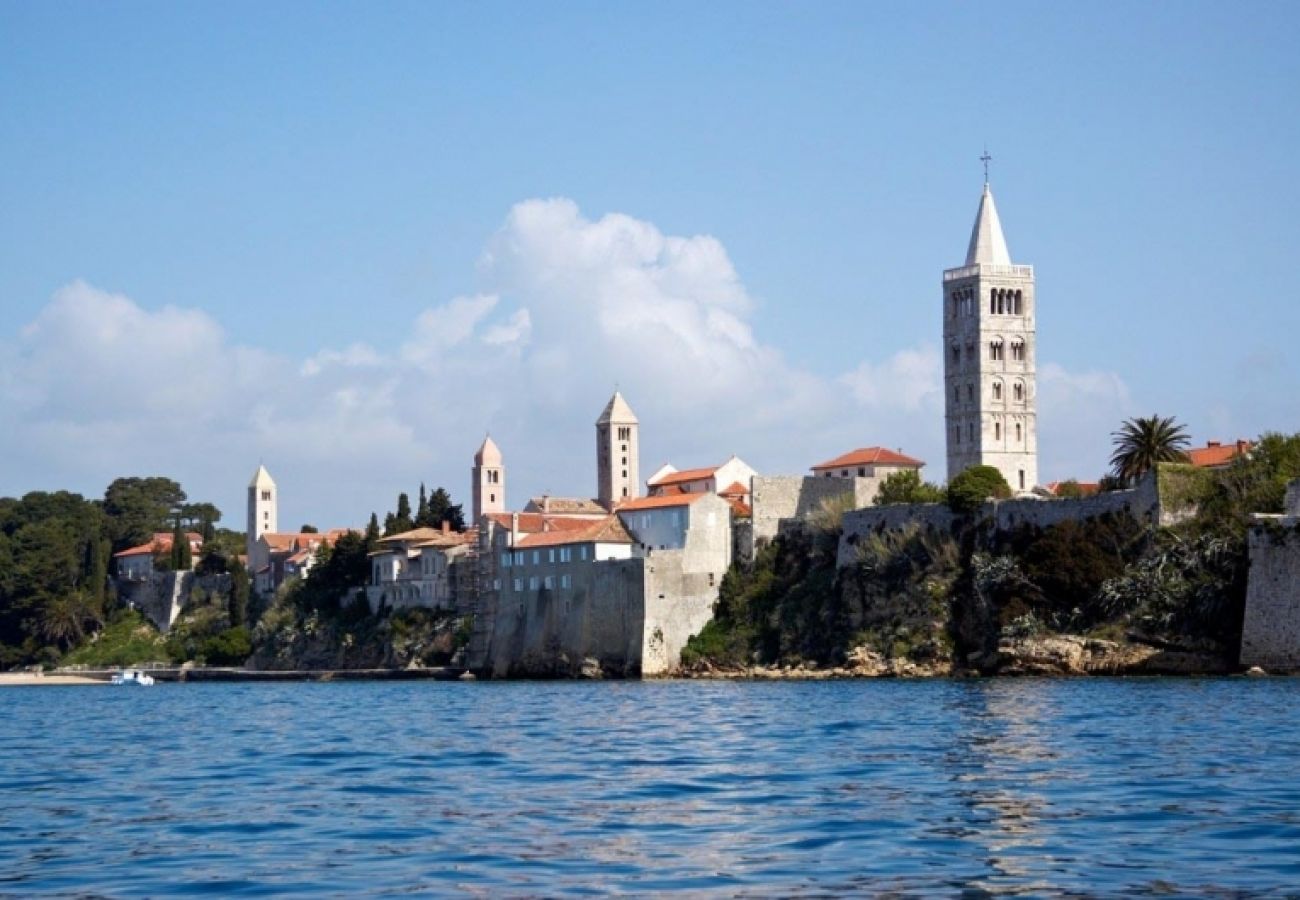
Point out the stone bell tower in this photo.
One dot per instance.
(617, 453)
(990, 352)
(263, 508)
(489, 480)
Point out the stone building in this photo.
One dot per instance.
(1270, 628)
(263, 509)
(489, 480)
(617, 453)
(872, 463)
(990, 352)
(731, 480)
(421, 567)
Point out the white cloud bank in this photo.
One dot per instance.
(97, 386)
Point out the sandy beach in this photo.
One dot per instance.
(25, 679)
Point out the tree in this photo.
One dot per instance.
(239, 591)
(422, 519)
(1069, 490)
(1141, 443)
(138, 507)
(906, 486)
(372, 530)
(401, 520)
(308, 529)
(181, 557)
(441, 509)
(973, 486)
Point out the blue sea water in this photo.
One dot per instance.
(1033, 787)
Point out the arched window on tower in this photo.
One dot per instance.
(997, 390)
(993, 301)
(1020, 310)
(995, 350)
(997, 431)
(956, 353)
(1019, 392)
(1018, 351)
(970, 392)
(1018, 432)
(1002, 301)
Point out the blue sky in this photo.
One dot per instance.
(221, 226)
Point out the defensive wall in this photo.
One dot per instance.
(777, 498)
(162, 596)
(1270, 629)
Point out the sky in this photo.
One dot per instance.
(349, 240)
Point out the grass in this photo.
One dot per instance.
(127, 640)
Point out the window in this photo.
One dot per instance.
(582, 552)
(1019, 309)
(550, 555)
(625, 473)
(956, 434)
(625, 460)
(548, 582)
(266, 495)
(995, 350)
(997, 390)
(956, 393)
(862, 473)
(266, 516)
(970, 392)
(997, 431)
(496, 584)
(1018, 350)
(519, 585)
(1022, 479)
(970, 431)
(844, 473)
(1019, 391)
(956, 353)
(565, 582)
(519, 558)
(492, 498)
(537, 557)
(533, 583)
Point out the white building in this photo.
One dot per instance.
(137, 563)
(731, 480)
(263, 509)
(989, 341)
(420, 568)
(872, 463)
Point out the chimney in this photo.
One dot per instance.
(514, 529)
(1213, 444)
(1242, 446)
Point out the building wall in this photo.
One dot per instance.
(678, 604)
(617, 462)
(1270, 630)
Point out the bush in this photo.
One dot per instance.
(906, 486)
(229, 648)
(973, 486)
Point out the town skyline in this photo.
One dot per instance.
(224, 287)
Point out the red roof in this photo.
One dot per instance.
(659, 502)
(161, 543)
(1086, 488)
(735, 489)
(606, 531)
(869, 456)
(684, 476)
(537, 523)
(1215, 454)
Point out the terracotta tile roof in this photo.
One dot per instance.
(161, 543)
(536, 523)
(1215, 454)
(1087, 488)
(735, 489)
(684, 476)
(300, 557)
(415, 534)
(608, 531)
(741, 509)
(565, 505)
(660, 502)
(869, 456)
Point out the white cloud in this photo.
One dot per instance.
(98, 386)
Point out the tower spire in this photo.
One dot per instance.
(986, 159)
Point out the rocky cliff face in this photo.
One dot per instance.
(286, 640)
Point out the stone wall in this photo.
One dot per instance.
(1292, 503)
(1270, 629)
(678, 603)
(778, 497)
(161, 597)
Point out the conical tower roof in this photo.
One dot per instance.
(489, 454)
(617, 410)
(987, 245)
(262, 478)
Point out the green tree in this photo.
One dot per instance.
(1069, 490)
(973, 486)
(441, 509)
(372, 530)
(139, 507)
(399, 521)
(422, 519)
(1141, 443)
(308, 529)
(181, 558)
(240, 587)
(906, 486)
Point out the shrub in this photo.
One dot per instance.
(906, 486)
(229, 648)
(973, 486)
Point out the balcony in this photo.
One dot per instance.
(987, 269)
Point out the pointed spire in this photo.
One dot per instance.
(489, 454)
(617, 410)
(262, 478)
(987, 245)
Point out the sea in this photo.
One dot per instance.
(972, 788)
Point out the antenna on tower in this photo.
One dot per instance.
(986, 159)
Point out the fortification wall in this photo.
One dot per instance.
(876, 519)
(778, 497)
(550, 631)
(163, 595)
(1270, 629)
(678, 603)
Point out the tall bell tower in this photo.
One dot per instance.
(263, 508)
(617, 453)
(990, 353)
(489, 480)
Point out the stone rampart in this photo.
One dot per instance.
(1270, 628)
(779, 497)
(678, 603)
(162, 596)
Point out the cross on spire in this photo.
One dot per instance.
(986, 159)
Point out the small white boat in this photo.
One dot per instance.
(133, 676)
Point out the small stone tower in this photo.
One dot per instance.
(489, 480)
(989, 351)
(617, 453)
(263, 504)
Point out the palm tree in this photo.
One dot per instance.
(1141, 443)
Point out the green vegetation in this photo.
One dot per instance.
(433, 510)
(55, 550)
(127, 639)
(1142, 443)
(1069, 490)
(968, 491)
(906, 486)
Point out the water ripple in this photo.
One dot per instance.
(981, 788)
